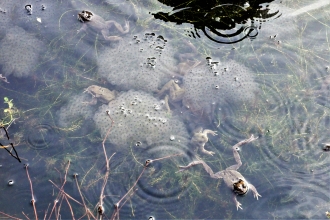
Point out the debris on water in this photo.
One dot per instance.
(28, 8)
(10, 182)
(326, 147)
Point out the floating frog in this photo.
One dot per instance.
(97, 23)
(231, 176)
(200, 138)
(210, 84)
(100, 93)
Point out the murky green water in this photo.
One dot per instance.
(273, 82)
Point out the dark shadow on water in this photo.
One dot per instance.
(220, 21)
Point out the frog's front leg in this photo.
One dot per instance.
(254, 190)
(237, 203)
(83, 28)
(236, 154)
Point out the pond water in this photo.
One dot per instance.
(172, 82)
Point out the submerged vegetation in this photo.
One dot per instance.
(275, 86)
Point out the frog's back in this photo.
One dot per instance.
(232, 176)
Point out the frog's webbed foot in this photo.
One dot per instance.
(167, 105)
(255, 192)
(202, 149)
(126, 27)
(110, 38)
(207, 131)
(237, 203)
(182, 168)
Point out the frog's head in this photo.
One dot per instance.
(85, 16)
(240, 187)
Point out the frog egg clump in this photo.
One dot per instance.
(139, 123)
(76, 108)
(139, 63)
(19, 52)
(233, 83)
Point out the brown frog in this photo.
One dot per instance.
(98, 24)
(100, 93)
(200, 138)
(231, 176)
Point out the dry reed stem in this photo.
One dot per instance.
(70, 197)
(67, 201)
(149, 161)
(33, 201)
(100, 208)
(61, 189)
(9, 216)
(45, 216)
(87, 211)
(26, 216)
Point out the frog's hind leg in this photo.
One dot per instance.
(118, 26)
(236, 154)
(105, 34)
(208, 169)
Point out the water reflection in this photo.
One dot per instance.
(220, 21)
(274, 87)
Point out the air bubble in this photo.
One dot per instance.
(10, 182)
(217, 87)
(157, 107)
(138, 143)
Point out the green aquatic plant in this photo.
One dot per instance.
(10, 113)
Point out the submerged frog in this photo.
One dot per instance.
(97, 23)
(100, 93)
(200, 138)
(176, 93)
(231, 176)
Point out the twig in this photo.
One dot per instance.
(12, 145)
(87, 211)
(45, 216)
(61, 189)
(149, 161)
(9, 216)
(67, 201)
(33, 201)
(70, 197)
(25, 216)
(100, 208)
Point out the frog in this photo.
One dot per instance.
(200, 138)
(231, 176)
(102, 94)
(176, 93)
(97, 23)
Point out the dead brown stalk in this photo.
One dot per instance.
(33, 201)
